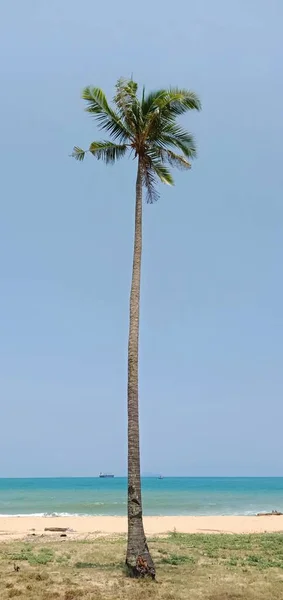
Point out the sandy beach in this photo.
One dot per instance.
(80, 527)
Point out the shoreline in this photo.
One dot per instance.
(85, 527)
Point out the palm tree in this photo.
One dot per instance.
(147, 129)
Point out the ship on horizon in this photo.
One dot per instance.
(106, 475)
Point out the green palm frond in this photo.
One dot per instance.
(149, 181)
(154, 169)
(174, 160)
(108, 151)
(175, 136)
(150, 101)
(162, 107)
(177, 160)
(163, 173)
(78, 153)
(107, 119)
(154, 120)
(151, 174)
(176, 101)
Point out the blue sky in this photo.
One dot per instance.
(211, 377)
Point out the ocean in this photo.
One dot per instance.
(168, 496)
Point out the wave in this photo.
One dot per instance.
(54, 515)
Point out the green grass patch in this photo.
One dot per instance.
(178, 559)
(98, 565)
(42, 557)
(262, 562)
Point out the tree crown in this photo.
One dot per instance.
(145, 127)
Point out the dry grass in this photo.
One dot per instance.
(189, 567)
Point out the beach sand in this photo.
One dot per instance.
(82, 527)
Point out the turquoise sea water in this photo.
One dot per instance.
(168, 496)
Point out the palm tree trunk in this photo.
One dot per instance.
(138, 559)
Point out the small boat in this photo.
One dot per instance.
(106, 475)
(160, 477)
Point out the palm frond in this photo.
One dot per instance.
(176, 101)
(154, 169)
(177, 160)
(154, 119)
(175, 136)
(78, 153)
(107, 119)
(163, 173)
(162, 107)
(174, 160)
(150, 101)
(126, 92)
(149, 181)
(128, 105)
(107, 151)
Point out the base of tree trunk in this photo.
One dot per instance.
(142, 567)
(138, 559)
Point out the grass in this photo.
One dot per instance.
(40, 557)
(189, 567)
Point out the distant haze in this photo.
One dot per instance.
(211, 377)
